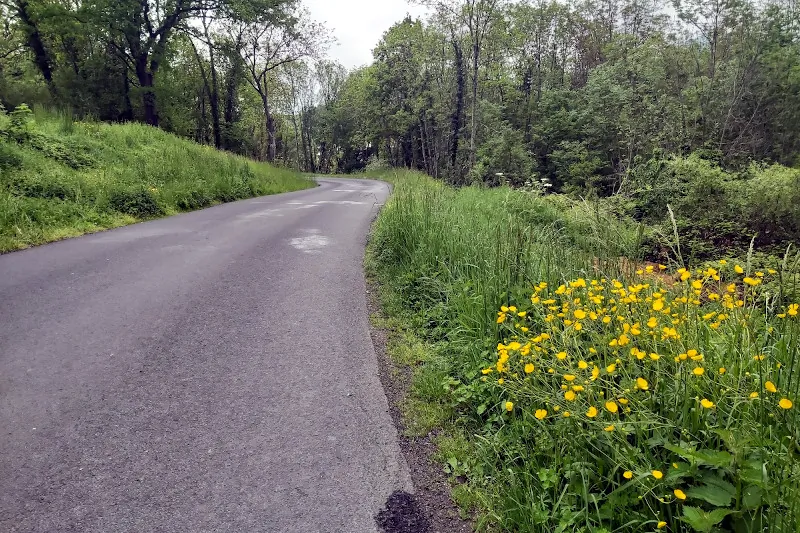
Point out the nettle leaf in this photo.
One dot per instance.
(715, 458)
(714, 490)
(701, 520)
(752, 497)
(754, 471)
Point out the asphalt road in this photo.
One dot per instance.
(211, 371)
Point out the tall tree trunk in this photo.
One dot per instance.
(214, 100)
(297, 140)
(127, 110)
(474, 126)
(265, 104)
(40, 55)
(272, 147)
(214, 92)
(231, 93)
(459, 110)
(146, 77)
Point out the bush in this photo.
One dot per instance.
(503, 159)
(136, 201)
(771, 204)
(193, 199)
(10, 159)
(38, 186)
(705, 199)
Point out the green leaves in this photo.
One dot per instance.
(701, 520)
(714, 490)
(704, 457)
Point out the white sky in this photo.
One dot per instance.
(358, 25)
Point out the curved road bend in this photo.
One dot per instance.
(208, 372)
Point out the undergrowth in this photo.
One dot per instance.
(575, 388)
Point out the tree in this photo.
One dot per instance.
(271, 42)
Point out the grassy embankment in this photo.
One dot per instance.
(61, 178)
(575, 391)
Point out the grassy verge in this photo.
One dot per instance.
(573, 390)
(60, 178)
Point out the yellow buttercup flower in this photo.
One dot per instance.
(592, 412)
(611, 368)
(708, 404)
(642, 384)
(770, 386)
(628, 474)
(753, 395)
(699, 371)
(509, 406)
(785, 403)
(752, 281)
(658, 474)
(609, 429)
(583, 365)
(540, 414)
(561, 356)
(661, 525)
(612, 406)
(529, 368)
(738, 269)
(569, 396)
(569, 377)
(595, 373)
(679, 494)
(658, 305)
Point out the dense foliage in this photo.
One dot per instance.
(692, 104)
(575, 391)
(221, 72)
(654, 103)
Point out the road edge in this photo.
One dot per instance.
(432, 491)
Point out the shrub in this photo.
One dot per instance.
(771, 204)
(135, 201)
(193, 199)
(9, 157)
(503, 159)
(38, 186)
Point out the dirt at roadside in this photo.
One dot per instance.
(430, 509)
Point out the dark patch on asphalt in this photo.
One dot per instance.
(402, 515)
(431, 484)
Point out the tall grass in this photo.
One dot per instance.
(588, 393)
(60, 177)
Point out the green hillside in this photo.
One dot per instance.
(61, 178)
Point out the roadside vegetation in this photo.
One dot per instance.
(61, 178)
(575, 385)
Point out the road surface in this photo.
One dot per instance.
(207, 372)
